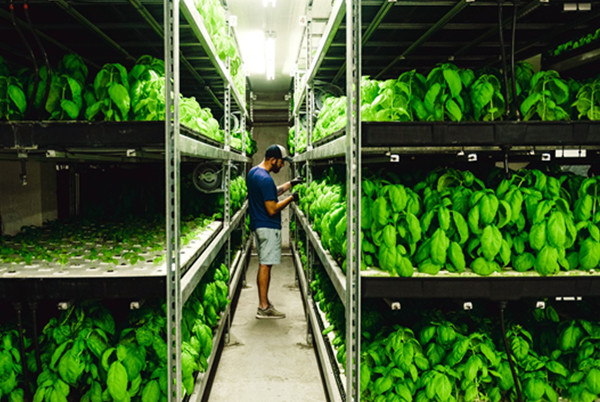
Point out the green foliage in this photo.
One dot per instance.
(547, 98)
(574, 44)
(588, 101)
(109, 97)
(453, 222)
(238, 193)
(215, 20)
(486, 96)
(12, 98)
(332, 118)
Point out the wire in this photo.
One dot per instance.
(509, 354)
(512, 61)
(44, 54)
(11, 7)
(503, 56)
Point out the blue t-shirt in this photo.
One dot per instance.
(261, 188)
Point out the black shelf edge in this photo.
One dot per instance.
(492, 288)
(502, 133)
(37, 289)
(41, 135)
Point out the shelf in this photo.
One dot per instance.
(331, 266)
(238, 265)
(462, 32)
(194, 274)
(192, 147)
(325, 353)
(188, 9)
(121, 141)
(506, 286)
(338, 12)
(117, 31)
(203, 378)
(503, 134)
(572, 59)
(302, 280)
(333, 149)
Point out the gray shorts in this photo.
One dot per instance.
(268, 244)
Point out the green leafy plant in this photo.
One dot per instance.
(588, 101)
(444, 97)
(109, 97)
(547, 97)
(12, 98)
(486, 96)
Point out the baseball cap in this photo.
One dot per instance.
(278, 152)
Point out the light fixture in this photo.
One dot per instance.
(252, 45)
(267, 2)
(270, 55)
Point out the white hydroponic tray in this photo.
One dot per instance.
(80, 268)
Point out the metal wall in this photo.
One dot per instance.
(26, 205)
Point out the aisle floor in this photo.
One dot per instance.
(269, 360)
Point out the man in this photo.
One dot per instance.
(265, 221)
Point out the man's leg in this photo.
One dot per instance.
(263, 279)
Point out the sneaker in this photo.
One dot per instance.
(270, 313)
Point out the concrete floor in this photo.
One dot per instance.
(269, 360)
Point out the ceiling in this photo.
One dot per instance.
(284, 21)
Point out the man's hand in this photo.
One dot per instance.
(297, 181)
(296, 196)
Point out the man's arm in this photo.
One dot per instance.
(273, 207)
(283, 188)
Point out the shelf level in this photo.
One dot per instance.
(97, 280)
(503, 134)
(194, 274)
(331, 266)
(126, 141)
(202, 380)
(302, 280)
(192, 15)
(333, 149)
(506, 286)
(338, 12)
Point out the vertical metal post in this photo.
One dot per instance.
(227, 181)
(309, 126)
(353, 185)
(296, 115)
(171, 26)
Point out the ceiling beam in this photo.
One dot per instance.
(433, 29)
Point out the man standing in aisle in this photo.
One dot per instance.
(265, 220)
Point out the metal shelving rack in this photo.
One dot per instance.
(115, 32)
(385, 38)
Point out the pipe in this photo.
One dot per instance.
(36, 337)
(512, 61)
(503, 56)
(19, 309)
(46, 61)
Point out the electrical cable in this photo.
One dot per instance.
(36, 336)
(19, 309)
(44, 54)
(11, 7)
(503, 56)
(512, 61)
(509, 354)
